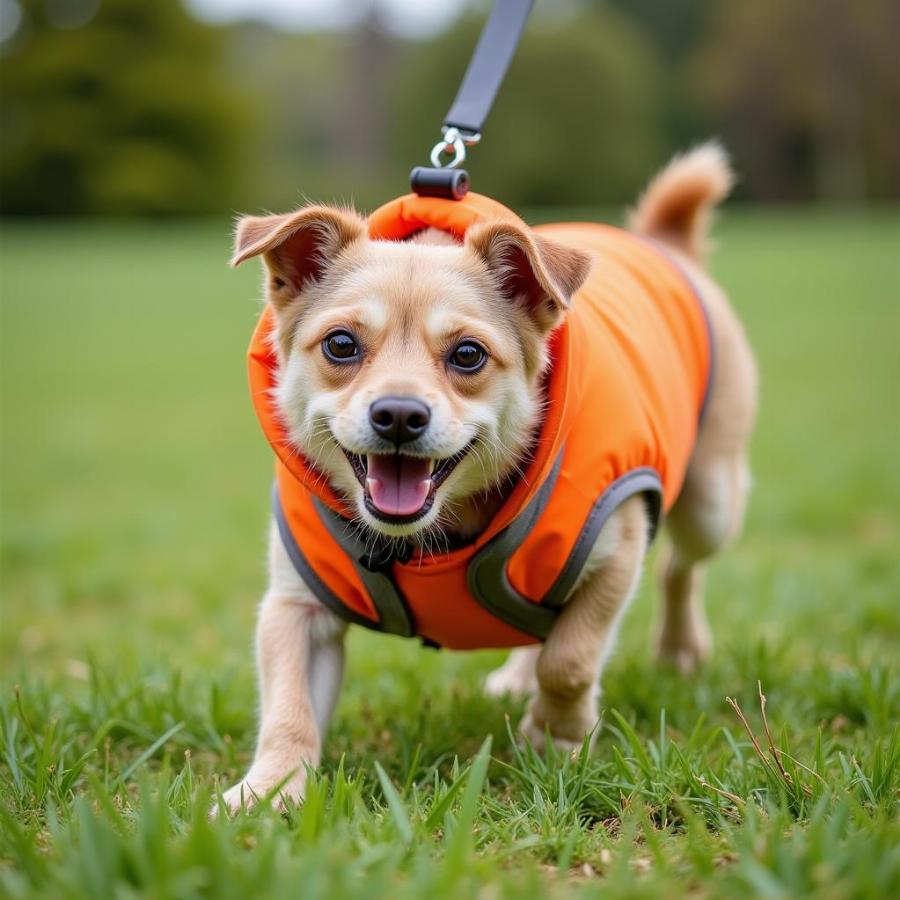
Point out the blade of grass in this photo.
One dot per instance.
(148, 753)
(395, 805)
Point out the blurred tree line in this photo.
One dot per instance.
(127, 112)
(131, 106)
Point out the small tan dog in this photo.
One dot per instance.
(413, 383)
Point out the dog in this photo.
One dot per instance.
(408, 377)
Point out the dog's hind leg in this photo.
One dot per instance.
(707, 515)
(709, 511)
(676, 209)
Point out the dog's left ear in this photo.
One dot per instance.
(297, 247)
(529, 269)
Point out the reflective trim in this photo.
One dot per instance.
(636, 481)
(323, 593)
(488, 581)
(393, 614)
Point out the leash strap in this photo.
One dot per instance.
(463, 123)
(493, 54)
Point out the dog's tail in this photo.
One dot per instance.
(677, 205)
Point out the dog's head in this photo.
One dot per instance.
(409, 372)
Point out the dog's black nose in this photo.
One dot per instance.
(399, 419)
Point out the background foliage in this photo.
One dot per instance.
(145, 110)
(130, 113)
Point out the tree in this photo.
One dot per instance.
(127, 113)
(809, 92)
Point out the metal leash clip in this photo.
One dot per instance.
(454, 140)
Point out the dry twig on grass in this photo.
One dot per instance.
(774, 765)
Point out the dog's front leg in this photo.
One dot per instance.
(569, 664)
(300, 657)
(289, 738)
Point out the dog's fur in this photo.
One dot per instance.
(408, 304)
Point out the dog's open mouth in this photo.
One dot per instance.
(399, 488)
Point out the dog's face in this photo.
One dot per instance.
(409, 372)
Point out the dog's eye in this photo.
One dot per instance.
(340, 346)
(468, 356)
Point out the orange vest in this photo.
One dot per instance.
(628, 377)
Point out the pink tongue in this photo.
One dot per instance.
(398, 485)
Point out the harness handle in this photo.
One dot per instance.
(463, 123)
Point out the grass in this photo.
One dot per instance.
(134, 495)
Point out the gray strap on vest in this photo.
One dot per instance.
(309, 575)
(488, 580)
(393, 614)
(643, 480)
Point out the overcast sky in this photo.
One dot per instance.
(413, 17)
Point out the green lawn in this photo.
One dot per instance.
(134, 500)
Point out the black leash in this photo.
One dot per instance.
(463, 124)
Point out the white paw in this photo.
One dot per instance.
(566, 737)
(516, 677)
(254, 789)
(501, 683)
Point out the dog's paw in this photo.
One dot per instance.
(685, 650)
(503, 683)
(566, 735)
(516, 677)
(252, 790)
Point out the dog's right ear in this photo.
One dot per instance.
(539, 274)
(297, 247)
